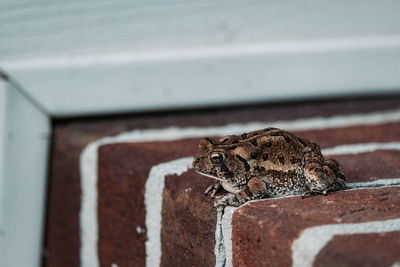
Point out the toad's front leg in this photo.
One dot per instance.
(255, 189)
(228, 199)
(213, 189)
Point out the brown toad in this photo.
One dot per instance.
(266, 163)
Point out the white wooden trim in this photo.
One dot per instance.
(129, 82)
(25, 132)
(3, 86)
(39, 29)
(82, 58)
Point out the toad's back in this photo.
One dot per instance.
(269, 149)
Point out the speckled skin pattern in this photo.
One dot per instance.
(266, 163)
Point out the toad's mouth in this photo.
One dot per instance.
(211, 176)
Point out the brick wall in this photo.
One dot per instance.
(124, 194)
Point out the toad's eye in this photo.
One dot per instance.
(217, 157)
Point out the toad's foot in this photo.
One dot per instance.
(227, 200)
(213, 189)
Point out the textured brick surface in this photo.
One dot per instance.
(387, 132)
(370, 250)
(189, 219)
(124, 168)
(371, 166)
(263, 231)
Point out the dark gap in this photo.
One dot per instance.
(47, 198)
(226, 107)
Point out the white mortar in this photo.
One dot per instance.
(153, 202)
(313, 239)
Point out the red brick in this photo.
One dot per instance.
(123, 170)
(188, 216)
(388, 132)
(361, 250)
(188, 222)
(62, 240)
(263, 231)
(370, 166)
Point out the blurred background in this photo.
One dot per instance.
(148, 63)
